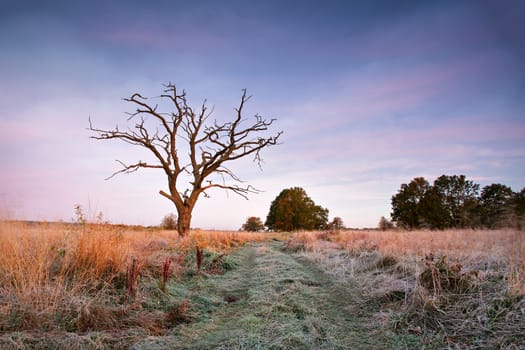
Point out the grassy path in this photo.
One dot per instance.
(273, 300)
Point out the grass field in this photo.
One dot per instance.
(446, 289)
(65, 286)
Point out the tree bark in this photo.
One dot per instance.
(184, 220)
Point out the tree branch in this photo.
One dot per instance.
(241, 191)
(128, 169)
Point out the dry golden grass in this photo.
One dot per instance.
(72, 273)
(26, 267)
(221, 241)
(507, 245)
(77, 278)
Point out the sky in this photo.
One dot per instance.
(369, 95)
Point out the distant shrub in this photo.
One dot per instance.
(253, 224)
(385, 224)
(169, 222)
(336, 224)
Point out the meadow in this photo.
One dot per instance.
(438, 289)
(98, 286)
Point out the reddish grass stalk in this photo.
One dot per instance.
(132, 278)
(166, 272)
(199, 253)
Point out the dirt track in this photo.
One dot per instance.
(275, 300)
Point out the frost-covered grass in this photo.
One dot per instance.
(456, 288)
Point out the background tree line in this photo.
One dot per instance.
(455, 202)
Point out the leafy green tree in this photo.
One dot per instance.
(459, 197)
(253, 224)
(405, 204)
(432, 210)
(452, 201)
(496, 206)
(519, 208)
(293, 210)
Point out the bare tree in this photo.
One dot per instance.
(209, 147)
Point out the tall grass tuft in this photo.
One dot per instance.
(27, 267)
(94, 253)
(167, 271)
(48, 270)
(198, 255)
(132, 276)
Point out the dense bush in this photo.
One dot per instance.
(253, 224)
(385, 224)
(169, 222)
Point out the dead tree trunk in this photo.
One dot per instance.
(184, 220)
